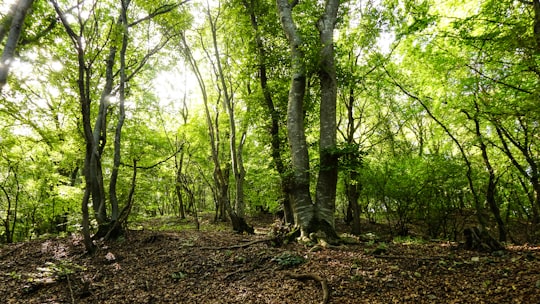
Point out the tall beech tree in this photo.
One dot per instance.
(318, 215)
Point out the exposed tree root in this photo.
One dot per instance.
(312, 276)
(480, 240)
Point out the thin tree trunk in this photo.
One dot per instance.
(275, 141)
(236, 214)
(220, 177)
(178, 184)
(531, 173)
(492, 180)
(113, 197)
(115, 228)
(477, 203)
(84, 100)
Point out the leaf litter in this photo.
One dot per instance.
(211, 267)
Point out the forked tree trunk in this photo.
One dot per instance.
(236, 214)
(319, 216)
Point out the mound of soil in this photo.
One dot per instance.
(222, 267)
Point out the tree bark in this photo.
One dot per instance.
(178, 184)
(15, 29)
(492, 179)
(318, 216)
(83, 82)
(532, 172)
(301, 198)
(328, 167)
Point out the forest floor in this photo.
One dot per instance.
(148, 266)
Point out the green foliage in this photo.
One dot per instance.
(288, 259)
(178, 275)
(400, 64)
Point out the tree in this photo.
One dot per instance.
(317, 216)
(14, 21)
(96, 136)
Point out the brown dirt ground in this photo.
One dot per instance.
(193, 267)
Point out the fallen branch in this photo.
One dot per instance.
(315, 277)
(238, 246)
(401, 257)
(70, 289)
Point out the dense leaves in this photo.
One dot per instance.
(436, 114)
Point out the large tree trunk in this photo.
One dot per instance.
(318, 216)
(301, 199)
(328, 167)
(15, 29)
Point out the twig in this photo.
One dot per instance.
(312, 276)
(400, 257)
(70, 289)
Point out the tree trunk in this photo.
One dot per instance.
(531, 173)
(237, 213)
(301, 199)
(178, 184)
(113, 197)
(492, 180)
(275, 118)
(353, 194)
(318, 216)
(477, 203)
(16, 25)
(328, 167)
(353, 162)
(84, 100)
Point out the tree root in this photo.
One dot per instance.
(312, 276)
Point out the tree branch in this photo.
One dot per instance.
(159, 11)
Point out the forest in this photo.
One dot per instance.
(296, 128)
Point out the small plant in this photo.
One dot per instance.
(178, 275)
(407, 240)
(288, 259)
(381, 248)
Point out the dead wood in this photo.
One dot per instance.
(240, 246)
(312, 276)
(401, 257)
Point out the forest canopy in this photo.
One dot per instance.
(420, 114)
